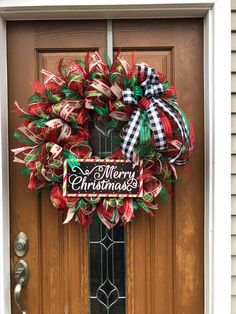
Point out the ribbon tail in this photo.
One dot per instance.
(70, 215)
(128, 210)
(108, 223)
(156, 126)
(170, 112)
(131, 134)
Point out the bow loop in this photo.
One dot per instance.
(128, 97)
(144, 103)
(150, 85)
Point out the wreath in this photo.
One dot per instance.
(136, 102)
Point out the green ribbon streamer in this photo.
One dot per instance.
(102, 111)
(113, 218)
(164, 195)
(115, 124)
(113, 77)
(28, 116)
(95, 75)
(55, 179)
(25, 170)
(23, 139)
(31, 117)
(145, 132)
(52, 98)
(135, 206)
(165, 85)
(81, 62)
(39, 123)
(126, 83)
(138, 93)
(70, 94)
(91, 202)
(34, 98)
(45, 116)
(75, 126)
(146, 196)
(72, 163)
(141, 204)
(68, 154)
(80, 203)
(70, 158)
(112, 124)
(133, 81)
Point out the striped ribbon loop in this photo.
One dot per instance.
(177, 116)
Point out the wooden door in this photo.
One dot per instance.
(57, 256)
(164, 256)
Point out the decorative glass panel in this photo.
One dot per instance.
(106, 248)
(107, 269)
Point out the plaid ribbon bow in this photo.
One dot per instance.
(151, 87)
(152, 90)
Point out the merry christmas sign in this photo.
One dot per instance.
(102, 178)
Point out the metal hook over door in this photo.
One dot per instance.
(21, 274)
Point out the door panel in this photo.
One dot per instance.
(149, 253)
(58, 254)
(165, 254)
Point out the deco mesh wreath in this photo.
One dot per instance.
(137, 102)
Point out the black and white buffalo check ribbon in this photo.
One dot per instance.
(151, 88)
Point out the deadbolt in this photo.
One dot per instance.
(21, 244)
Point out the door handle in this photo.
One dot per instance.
(17, 295)
(21, 274)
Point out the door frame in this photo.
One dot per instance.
(217, 122)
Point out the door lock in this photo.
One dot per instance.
(21, 244)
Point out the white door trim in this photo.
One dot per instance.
(217, 89)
